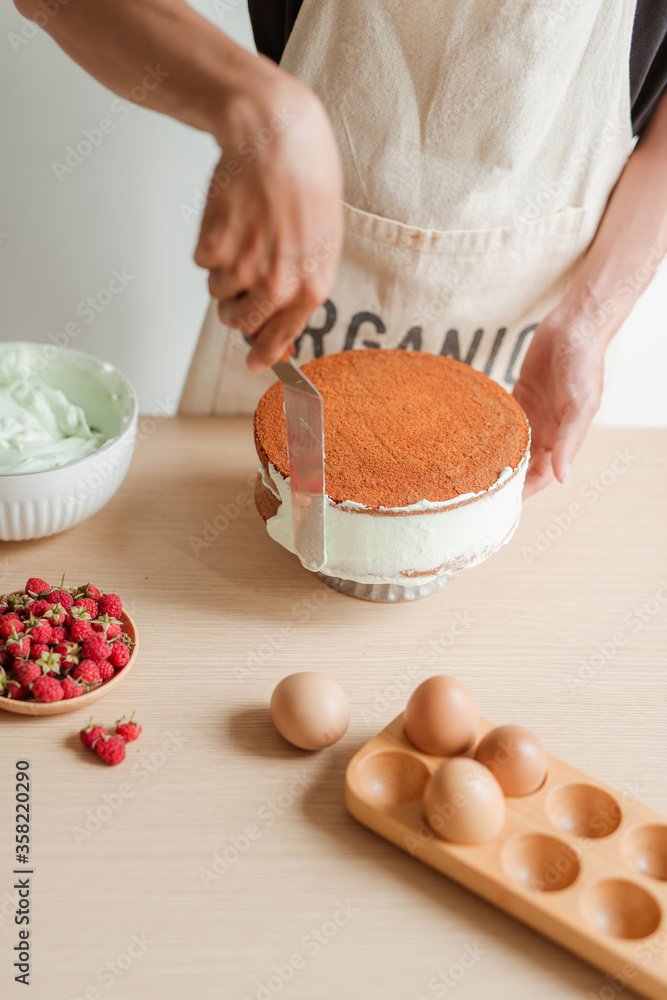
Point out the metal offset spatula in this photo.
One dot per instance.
(305, 447)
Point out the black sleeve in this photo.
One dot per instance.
(648, 60)
(272, 22)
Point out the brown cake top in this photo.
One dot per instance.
(402, 426)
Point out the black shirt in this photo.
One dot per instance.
(273, 20)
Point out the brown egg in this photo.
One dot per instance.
(515, 757)
(464, 803)
(309, 710)
(441, 717)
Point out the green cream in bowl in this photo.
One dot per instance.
(67, 432)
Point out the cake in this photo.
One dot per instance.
(425, 461)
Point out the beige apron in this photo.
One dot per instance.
(480, 141)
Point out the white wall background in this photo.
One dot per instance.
(61, 239)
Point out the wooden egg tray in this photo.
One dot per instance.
(576, 861)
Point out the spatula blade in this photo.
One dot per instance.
(305, 447)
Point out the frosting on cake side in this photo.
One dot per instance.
(411, 545)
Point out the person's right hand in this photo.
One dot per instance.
(272, 229)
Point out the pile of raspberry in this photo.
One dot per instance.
(58, 643)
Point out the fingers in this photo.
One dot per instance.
(540, 473)
(273, 314)
(235, 262)
(252, 309)
(571, 433)
(276, 336)
(246, 298)
(223, 285)
(247, 313)
(218, 243)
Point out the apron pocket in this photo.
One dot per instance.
(448, 291)
(375, 228)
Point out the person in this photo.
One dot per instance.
(462, 178)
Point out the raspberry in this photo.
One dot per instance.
(38, 608)
(56, 614)
(14, 691)
(26, 672)
(58, 634)
(90, 733)
(111, 749)
(88, 591)
(119, 655)
(71, 689)
(69, 652)
(10, 626)
(37, 649)
(79, 630)
(88, 671)
(110, 604)
(48, 689)
(77, 615)
(19, 602)
(109, 627)
(62, 597)
(36, 586)
(49, 662)
(128, 729)
(95, 648)
(89, 604)
(18, 647)
(106, 670)
(40, 631)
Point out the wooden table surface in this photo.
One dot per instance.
(219, 862)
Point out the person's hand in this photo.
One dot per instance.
(559, 388)
(272, 229)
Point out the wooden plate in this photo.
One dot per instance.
(39, 709)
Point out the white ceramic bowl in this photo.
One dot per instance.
(35, 504)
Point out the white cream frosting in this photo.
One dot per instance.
(40, 427)
(368, 548)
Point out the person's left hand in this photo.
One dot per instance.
(559, 389)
